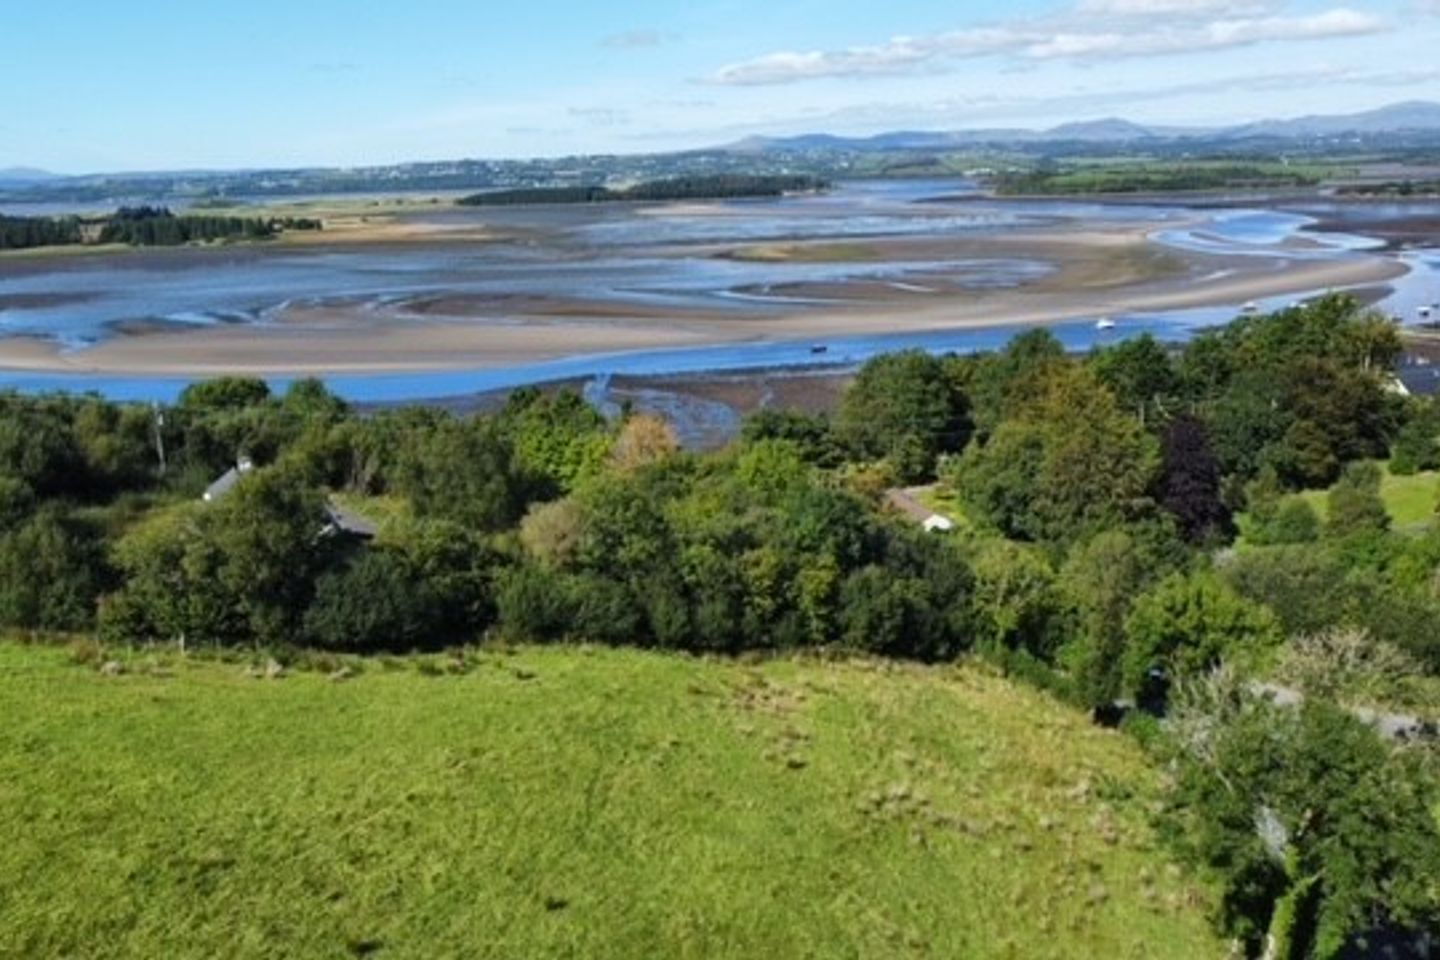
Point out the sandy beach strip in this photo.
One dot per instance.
(340, 340)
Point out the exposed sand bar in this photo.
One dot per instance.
(1099, 271)
(338, 340)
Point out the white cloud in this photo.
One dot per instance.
(1183, 8)
(1096, 29)
(1039, 108)
(1215, 35)
(900, 55)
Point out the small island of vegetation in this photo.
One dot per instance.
(142, 227)
(719, 187)
(1151, 177)
(1392, 188)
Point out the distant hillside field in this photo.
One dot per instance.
(571, 802)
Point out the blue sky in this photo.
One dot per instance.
(139, 84)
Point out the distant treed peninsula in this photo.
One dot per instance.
(1069, 179)
(142, 227)
(720, 187)
(1402, 189)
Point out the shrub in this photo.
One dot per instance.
(1355, 503)
(17, 502)
(811, 435)
(1016, 599)
(1100, 581)
(907, 409)
(1072, 465)
(239, 571)
(1190, 483)
(1417, 446)
(1292, 521)
(374, 602)
(52, 572)
(551, 532)
(1347, 665)
(529, 605)
(643, 440)
(1188, 625)
(542, 605)
(1319, 834)
(882, 613)
(462, 471)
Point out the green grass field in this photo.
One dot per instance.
(1410, 501)
(941, 499)
(571, 803)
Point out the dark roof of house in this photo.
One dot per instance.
(227, 480)
(349, 522)
(1420, 380)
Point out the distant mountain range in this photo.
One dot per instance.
(1412, 117)
(25, 175)
(1400, 130)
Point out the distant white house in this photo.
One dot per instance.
(935, 523)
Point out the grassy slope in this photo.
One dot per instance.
(571, 803)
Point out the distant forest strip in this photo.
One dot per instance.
(1156, 178)
(141, 227)
(1392, 188)
(720, 187)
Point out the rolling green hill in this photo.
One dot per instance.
(571, 802)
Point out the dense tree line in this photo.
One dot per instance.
(158, 227)
(1102, 497)
(143, 227)
(1153, 178)
(20, 233)
(716, 187)
(1392, 188)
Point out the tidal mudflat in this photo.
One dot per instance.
(477, 299)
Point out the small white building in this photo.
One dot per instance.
(935, 523)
